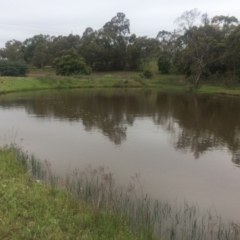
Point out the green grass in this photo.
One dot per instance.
(12, 84)
(235, 91)
(33, 210)
(39, 79)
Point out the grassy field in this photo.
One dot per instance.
(33, 210)
(96, 80)
(39, 79)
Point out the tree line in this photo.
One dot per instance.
(200, 48)
(111, 48)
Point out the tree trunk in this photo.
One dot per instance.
(197, 79)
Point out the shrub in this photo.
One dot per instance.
(164, 63)
(147, 74)
(8, 68)
(71, 63)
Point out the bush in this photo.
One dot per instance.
(88, 70)
(147, 74)
(71, 63)
(16, 69)
(164, 63)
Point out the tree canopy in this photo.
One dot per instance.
(200, 47)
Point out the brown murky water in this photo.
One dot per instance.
(186, 147)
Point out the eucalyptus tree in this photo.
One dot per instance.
(74, 41)
(2, 53)
(57, 45)
(40, 56)
(188, 19)
(168, 47)
(149, 49)
(173, 45)
(225, 23)
(88, 47)
(198, 53)
(201, 47)
(233, 52)
(119, 24)
(30, 44)
(13, 50)
(118, 30)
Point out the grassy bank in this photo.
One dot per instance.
(33, 210)
(41, 80)
(87, 204)
(116, 80)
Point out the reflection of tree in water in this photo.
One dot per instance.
(200, 123)
(108, 114)
(197, 124)
(111, 112)
(236, 158)
(195, 142)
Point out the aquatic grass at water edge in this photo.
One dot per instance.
(151, 219)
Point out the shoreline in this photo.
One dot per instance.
(163, 83)
(37, 204)
(34, 209)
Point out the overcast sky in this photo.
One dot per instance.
(22, 19)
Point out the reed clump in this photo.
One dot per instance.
(146, 218)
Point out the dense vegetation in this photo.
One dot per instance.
(70, 63)
(201, 48)
(8, 68)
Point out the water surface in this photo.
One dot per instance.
(185, 146)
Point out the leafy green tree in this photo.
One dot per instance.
(57, 45)
(224, 23)
(2, 53)
(89, 47)
(233, 52)
(201, 50)
(197, 51)
(13, 50)
(164, 62)
(73, 41)
(121, 51)
(148, 49)
(119, 24)
(30, 44)
(103, 50)
(40, 55)
(70, 63)
(133, 58)
(168, 41)
(117, 31)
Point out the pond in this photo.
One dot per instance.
(186, 147)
